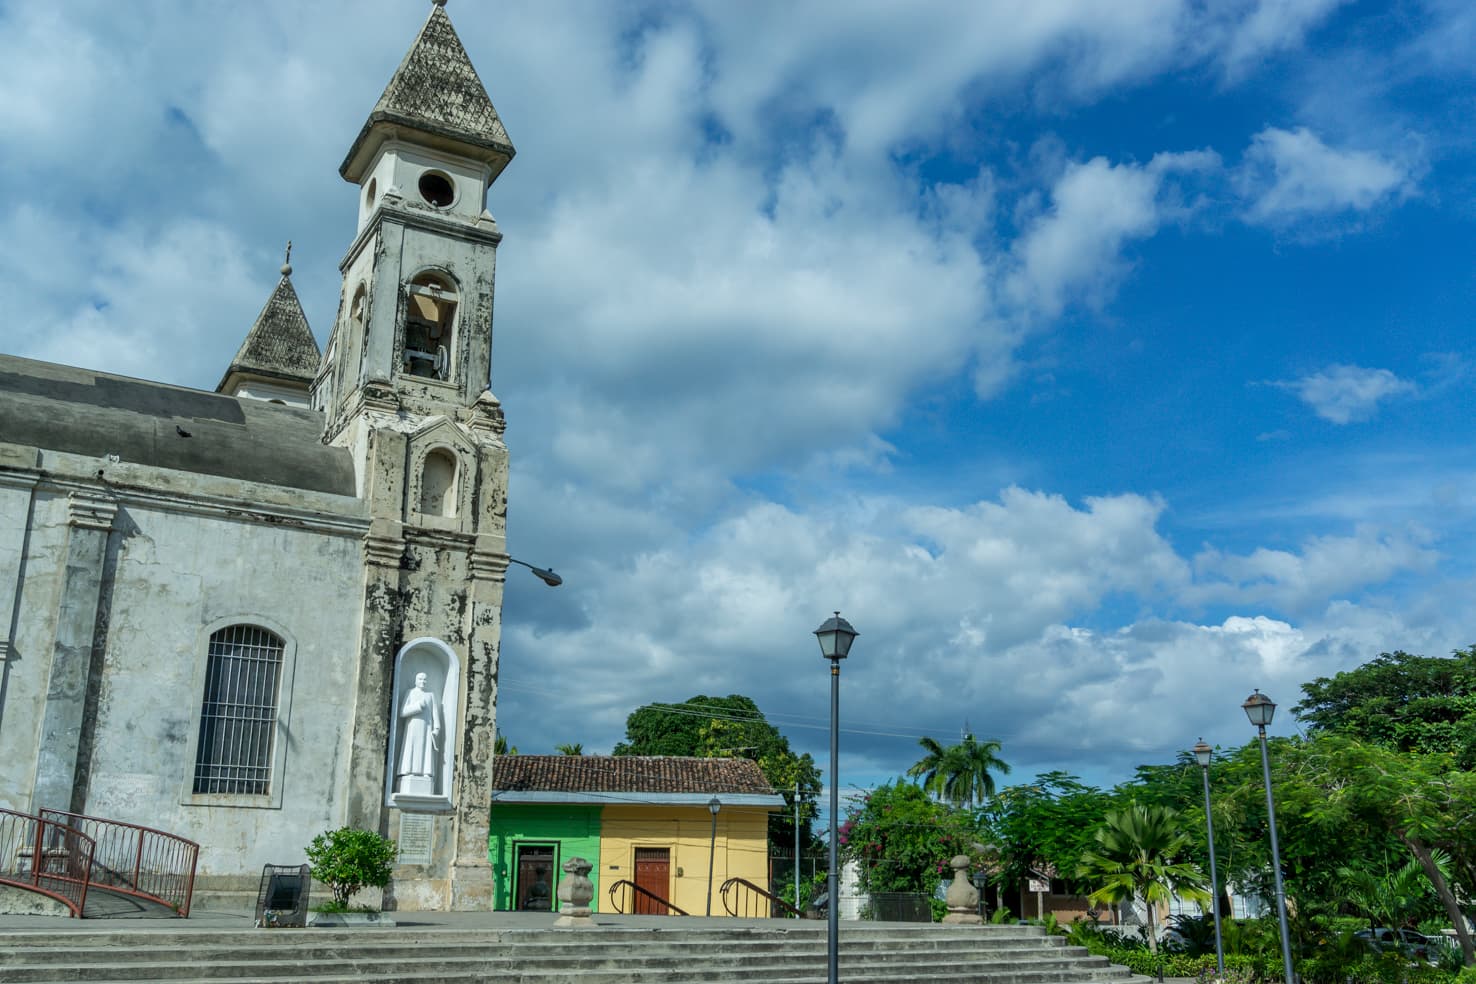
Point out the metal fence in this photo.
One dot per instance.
(46, 856)
(134, 860)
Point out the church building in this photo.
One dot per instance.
(251, 615)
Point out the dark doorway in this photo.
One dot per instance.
(653, 873)
(535, 888)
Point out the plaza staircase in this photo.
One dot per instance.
(617, 952)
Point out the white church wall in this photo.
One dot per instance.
(179, 574)
(27, 666)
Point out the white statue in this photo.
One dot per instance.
(420, 750)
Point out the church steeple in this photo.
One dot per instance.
(280, 356)
(437, 93)
(414, 332)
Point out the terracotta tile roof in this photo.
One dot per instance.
(436, 90)
(626, 774)
(280, 344)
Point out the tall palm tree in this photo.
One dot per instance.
(1137, 854)
(961, 774)
(577, 748)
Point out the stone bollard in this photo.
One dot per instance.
(576, 891)
(962, 897)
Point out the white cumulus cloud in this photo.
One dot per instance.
(1343, 394)
(1288, 175)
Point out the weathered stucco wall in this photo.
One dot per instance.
(178, 575)
(177, 556)
(36, 588)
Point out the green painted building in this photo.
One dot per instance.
(527, 845)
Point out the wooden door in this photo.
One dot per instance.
(535, 877)
(653, 873)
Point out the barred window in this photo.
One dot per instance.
(238, 720)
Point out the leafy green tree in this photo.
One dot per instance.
(1047, 823)
(730, 727)
(961, 774)
(1409, 703)
(1426, 803)
(348, 859)
(902, 839)
(1139, 852)
(575, 748)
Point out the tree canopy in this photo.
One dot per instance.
(1409, 703)
(902, 840)
(729, 727)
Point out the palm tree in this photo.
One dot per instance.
(577, 748)
(501, 747)
(961, 774)
(1137, 854)
(1389, 900)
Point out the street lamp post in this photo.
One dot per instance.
(544, 574)
(1259, 708)
(835, 636)
(713, 806)
(1202, 754)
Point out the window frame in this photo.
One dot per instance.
(272, 798)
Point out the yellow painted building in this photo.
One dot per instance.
(646, 823)
(674, 841)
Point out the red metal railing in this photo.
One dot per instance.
(646, 903)
(47, 857)
(134, 860)
(742, 897)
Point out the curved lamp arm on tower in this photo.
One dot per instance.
(544, 574)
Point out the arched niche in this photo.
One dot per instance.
(438, 485)
(421, 760)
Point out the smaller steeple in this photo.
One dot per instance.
(280, 357)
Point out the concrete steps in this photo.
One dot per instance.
(612, 954)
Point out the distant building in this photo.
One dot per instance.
(249, 615)
(642, 819)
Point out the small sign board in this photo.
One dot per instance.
(417, 830)
(1037, 885)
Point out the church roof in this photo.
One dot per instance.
(633, 778)
(79, 411)
(436, 91)
(280, 345)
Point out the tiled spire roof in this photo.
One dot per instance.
(436, 91)
(280, 345)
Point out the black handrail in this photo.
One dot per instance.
(647, 893)
(775, 902)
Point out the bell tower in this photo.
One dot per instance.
(404, 386)
(415, 322)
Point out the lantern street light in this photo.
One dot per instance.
(1202, 754)
(1259, 708)
(713, 806)
(835, 636)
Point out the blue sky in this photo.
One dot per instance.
(1101, 362)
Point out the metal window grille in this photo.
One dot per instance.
(238, 720)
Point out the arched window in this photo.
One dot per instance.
(430, 326)
(238, 718)
(438, 484)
